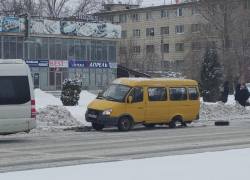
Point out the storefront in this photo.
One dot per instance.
(63, 50)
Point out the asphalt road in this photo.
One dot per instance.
(33, 151)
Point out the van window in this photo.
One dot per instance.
(137, 95)
(193, 94)
(178, 94)
(14, 90)
(157, 94)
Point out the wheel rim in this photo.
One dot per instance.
(125, 123)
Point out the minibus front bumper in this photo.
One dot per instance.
(101, 119)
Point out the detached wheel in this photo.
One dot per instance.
(124, 124)
(149, 125)
(172, 124)
(97, 127)
(221, 123)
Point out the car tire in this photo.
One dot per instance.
(149, 125)
(124, 124)
(221, 123)
(97, 127)
(172, 124)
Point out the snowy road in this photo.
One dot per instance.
(33, 151)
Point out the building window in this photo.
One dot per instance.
(195, 28)
(136, 33)
(196, 46)
(179, 47)
(180, 12)
(137, 49)
(157, 94)
(150, 32)
(122, 18)
(124, 34)
(150, 49)
(180, 29)
(136, 17)
(165, 48)
(179, 63)
(110, 18)
(164, 13)
(166, 64)
(150, 15)
(247, 4)
(164, 30)
(195, 11)
(123, 50)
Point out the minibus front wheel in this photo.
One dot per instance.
(172, 124)
(124, 124)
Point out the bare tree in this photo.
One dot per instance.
(87, 6)
(128, 52)
(54, 8)
(150, 60)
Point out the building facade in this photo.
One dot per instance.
(174, 34)
(57, 50)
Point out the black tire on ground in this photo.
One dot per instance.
(172, 124)
(149, 125)
(124, 124)
(97, 127)
(183, 123)
(221, 123)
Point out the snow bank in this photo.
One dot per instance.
(221, 165)
(221, 111)
(52, 115)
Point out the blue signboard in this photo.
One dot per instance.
(37, 63)
(88, 64)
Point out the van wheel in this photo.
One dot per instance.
(172, 124)
(97, 127)
(149, 125)
(124, 124)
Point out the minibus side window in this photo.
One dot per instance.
(157, 94)
(178, 94)
(137, 95)
(193, 94)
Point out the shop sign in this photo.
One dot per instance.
(87, 64)
(60, 64)
(37, 63)
(113, 65)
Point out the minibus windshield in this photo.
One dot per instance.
(115, 92)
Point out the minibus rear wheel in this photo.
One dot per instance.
(97, 127)
(172, 124)
(124, 124)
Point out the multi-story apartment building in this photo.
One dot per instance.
(174, 34)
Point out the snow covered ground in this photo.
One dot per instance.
(221, 165)
(53, 116)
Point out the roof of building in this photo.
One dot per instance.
(155, 82)
(147, 8)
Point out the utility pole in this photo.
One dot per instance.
(162, 56)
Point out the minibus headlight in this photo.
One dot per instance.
(107, 112)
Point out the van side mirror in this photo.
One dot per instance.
(98, 93)
(130, 99)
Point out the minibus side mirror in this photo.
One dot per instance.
(130, 99)
(98, 93)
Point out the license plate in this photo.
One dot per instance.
(92, 115)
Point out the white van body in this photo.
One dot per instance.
(17, 99)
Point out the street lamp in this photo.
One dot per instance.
(27, 23)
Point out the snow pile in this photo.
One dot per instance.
(220, 111)
(53, 115)
(44, 99)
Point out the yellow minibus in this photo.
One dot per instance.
(129, 101)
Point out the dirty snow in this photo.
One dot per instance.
(52, 115)
(221, 165)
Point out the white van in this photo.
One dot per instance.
(17, 99)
